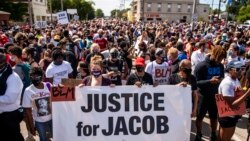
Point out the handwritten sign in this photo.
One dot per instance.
(62, 17)
(62, 94)
(40, 24)
(71, 82)
(225, 110)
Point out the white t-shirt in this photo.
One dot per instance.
(58, 72)
(159, 72)
(39, 100)
(227, 86)
(229, 59)
(197, 57)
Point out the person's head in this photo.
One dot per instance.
(96, 66)
(19, 38)
(114, 53)
(57, 56)
(139, 64)
(7, 46)
(47, 54)
(31, 39)
(123, 45)
(202, 45)
(234, 68)
(83, 69)
(180, 46)
(218, 54)
(160, 55)
(95, 48)
(185, 68)
(15, 54)
(26, 54)
(36, 75)
(172, 54)
(233, 50)
(143, 46)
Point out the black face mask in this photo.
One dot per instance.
(139, 69)
(36, 81)
(187, 71)
(58, 63)
(114, 55)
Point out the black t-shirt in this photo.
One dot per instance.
(146, 79)
(70, 57)
(176, 79)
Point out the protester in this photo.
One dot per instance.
(11, 114)
(229, 88)
(83, 70)
(198, 55)
(58, 69)
(36, 100)
(209, 74)
(173, 60)
(140, 77)
(28, 55)
(184, 78)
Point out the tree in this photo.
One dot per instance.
(99, 13)
(244, 13)
(116, 13)
(17, 10)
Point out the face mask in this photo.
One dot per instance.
(187, 71)
(95, 51)
(96, 74)
(12, 58)
(58, 63)
(25, 59)
(230, 53)
(139, 69)
(114, 55)
(36, 81)
(163, 59)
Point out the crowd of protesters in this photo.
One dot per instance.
(212, 58)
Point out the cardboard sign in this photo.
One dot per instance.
(71, 82)
(62, 17)
(225, 110)
(62, 94)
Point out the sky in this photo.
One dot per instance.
(108, 5)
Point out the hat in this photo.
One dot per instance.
(234, 64)
(158, 51)
(139, 61)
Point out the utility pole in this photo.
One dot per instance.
(51, 11)
(194, 13)
(219, 9)
(30, 12)
(61, 5)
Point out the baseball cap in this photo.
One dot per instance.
(234, 64)
(158, 51)
(139, 61)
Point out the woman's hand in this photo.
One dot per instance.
(112, 85)
(183, 84)
(138, 84)
(81, 85)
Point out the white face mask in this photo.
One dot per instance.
(12, 58)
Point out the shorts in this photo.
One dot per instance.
(228, 122)
(207, 104)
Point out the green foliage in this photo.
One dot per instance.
(17, 10)
(99, 13)
(116, 13)
(84, 8)
(244, 13)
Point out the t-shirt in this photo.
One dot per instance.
(58, 72)
(102, 43)
(176, 79)
(146, 79)
(39, 100)
(197, 57)
(228, 85)
(160, 72)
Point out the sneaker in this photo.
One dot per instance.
(213, 137)
(198, 137)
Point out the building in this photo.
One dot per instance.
(171, 10)
(4, 18)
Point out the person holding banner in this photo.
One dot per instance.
(140, 77)
(96, 78)
(229, 88)
(184, 78)
(37, 97)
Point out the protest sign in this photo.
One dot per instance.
(76, 17)
(124, 113)
(40, 24)
(62, 17)
(225, 110)
(62, 94)
(71, 82)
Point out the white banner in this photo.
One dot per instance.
(40, 24)
(124, 113)
(62, 17)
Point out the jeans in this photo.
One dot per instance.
(42, 128)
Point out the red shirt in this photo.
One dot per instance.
(102, 43)
(9, 61)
